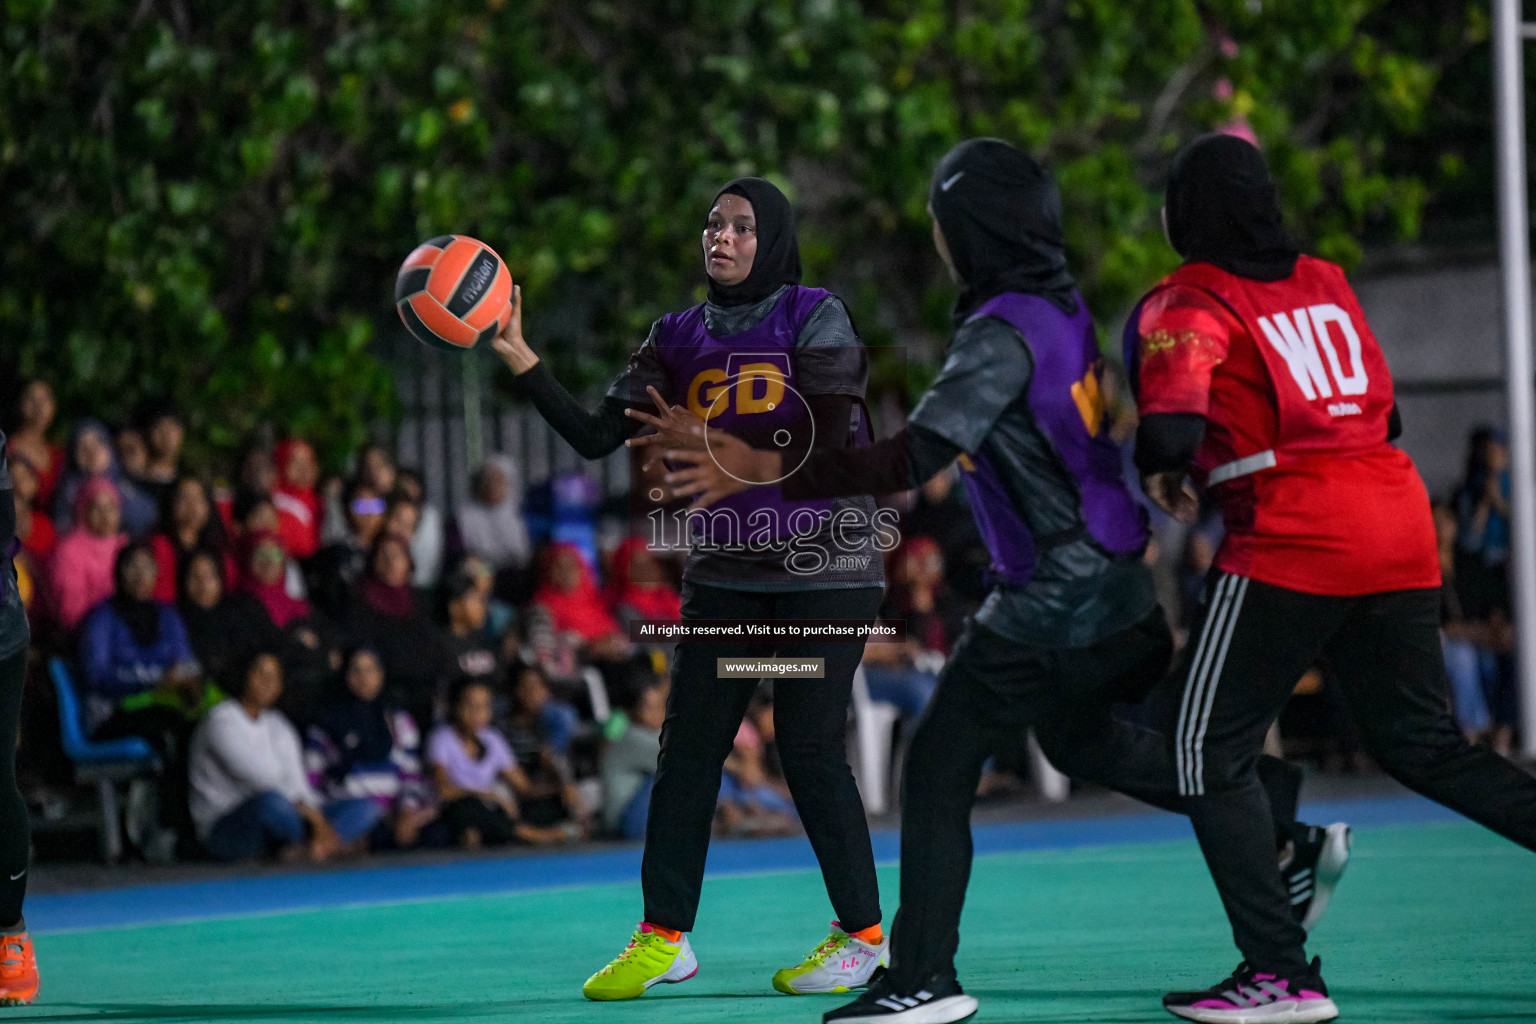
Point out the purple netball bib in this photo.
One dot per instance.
(746, 384)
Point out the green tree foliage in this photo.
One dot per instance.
(208, 202)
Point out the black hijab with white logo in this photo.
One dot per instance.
(1223, 208)
(777, 262)
(1000, 213)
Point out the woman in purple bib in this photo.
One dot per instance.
(779, 363)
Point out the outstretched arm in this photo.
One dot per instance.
(592, 434)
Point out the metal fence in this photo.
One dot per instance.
(452, 417)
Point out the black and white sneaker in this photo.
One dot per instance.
(939, 1000)
(1256, 997)
(1312, 864)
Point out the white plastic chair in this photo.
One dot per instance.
(1054, 787)
(874, 723)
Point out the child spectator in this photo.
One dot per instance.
(388, 618)
(540, 730)
(250, 794)
(90, 458)
(628, 763)
(187, 524)
(751, 802)
(429, 540)
(81, 573)
(133, 456)
(35, 409)
(359, 747)
(473, 770)
(474, 654)
(298, 505)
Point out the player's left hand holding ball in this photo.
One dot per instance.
(510, 344)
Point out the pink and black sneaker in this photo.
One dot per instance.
(1255, 997)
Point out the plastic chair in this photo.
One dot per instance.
(873, 724)
(102, 764)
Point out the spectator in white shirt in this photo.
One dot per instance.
(250, 794)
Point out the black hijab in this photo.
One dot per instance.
(1000, 213)
(777, 261)
(359, 728)
(141, 617)
(1223, 209)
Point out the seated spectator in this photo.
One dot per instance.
(223, 627)
(33, 528)
(337, 568)
(474, 654)
(90, 458)
(751, 801)
(264, 575)
(539, 730)
(28, 437)
(939, 510)
(429, 540)
(907, 674)
(133, 456)
(628, 763)
(297, 503)
(140, 679)
(376, 468)
(163, 437)
(638, 587)
(133, 645)
(1482, 501)
(81, 572)
(474, 772)
(491, 524)
(360, 747)
(388, 618)
(500, 616)
(256, 477)
(401, 518)
(1470, 646)
(250, 794)
(187, 524)
(577, 616)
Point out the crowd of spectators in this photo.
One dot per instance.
(331, 665)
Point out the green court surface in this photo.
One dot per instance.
(1433, 922)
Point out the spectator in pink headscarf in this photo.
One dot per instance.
(83, 561)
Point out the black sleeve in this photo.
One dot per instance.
(1394, 424)
(1166, 442)
(898, 463)
(592, 434)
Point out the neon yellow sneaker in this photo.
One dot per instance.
(648, 960)
(841, 963)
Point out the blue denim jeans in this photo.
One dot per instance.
(270, 821)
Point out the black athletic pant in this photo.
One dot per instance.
(1253, 643)
(810, 719)
(990, 690)
(15, 830)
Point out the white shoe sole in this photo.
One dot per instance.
(1308, 1011)
(1330, 868)
(940, 1011)
(684, 967)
